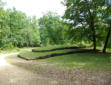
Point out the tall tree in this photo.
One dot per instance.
(83, 13)
(107, 20)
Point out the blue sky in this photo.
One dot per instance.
(36, 7)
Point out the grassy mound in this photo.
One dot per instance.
(52, 47)
(31, 55)
(87, 60)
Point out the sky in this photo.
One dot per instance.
(36, 7)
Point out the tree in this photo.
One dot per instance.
(18, 30)
(83, 13)
(107, 20)
(52, 29)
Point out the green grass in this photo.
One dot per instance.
(16, 49)
(10, 50)
(38, 54)
(88, 61)
(52, 47)
(108, 50)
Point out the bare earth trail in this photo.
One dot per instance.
(26, 73)
(12, 75)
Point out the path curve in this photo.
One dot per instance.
(12, 75)
(3, 62)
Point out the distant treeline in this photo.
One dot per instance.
(85, 22)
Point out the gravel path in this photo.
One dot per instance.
(12, 75)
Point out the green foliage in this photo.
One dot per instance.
(88, 19)
(18, 30)
(52, 29)
(85, 22)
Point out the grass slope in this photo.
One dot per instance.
(52, 47)
(37, 54)
(88, 61)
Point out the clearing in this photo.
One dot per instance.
(89, 68)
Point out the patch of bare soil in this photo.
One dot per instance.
(63, 75)
(13, 75)
(18, 76)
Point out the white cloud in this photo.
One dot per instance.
(36, 7)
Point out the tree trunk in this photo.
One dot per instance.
(93, 33)
(107, 39)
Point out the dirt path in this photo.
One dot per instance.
(21, 72)
(12, 75)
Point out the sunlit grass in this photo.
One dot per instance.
(88, 61)
(108, 50)
(101, 49)
(38, 54)
(53, 47)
